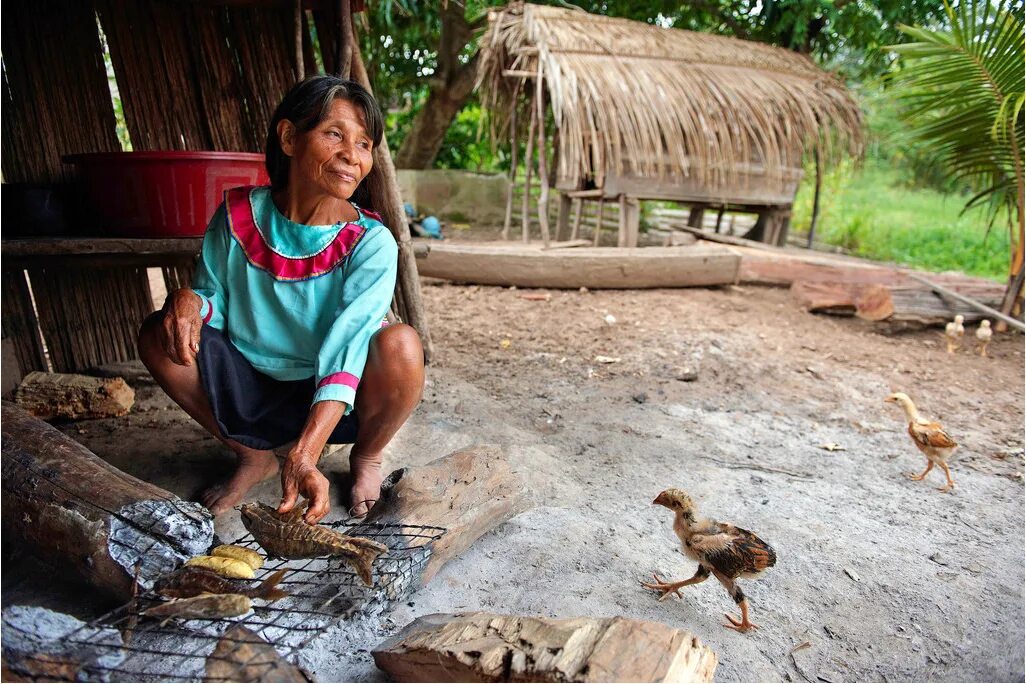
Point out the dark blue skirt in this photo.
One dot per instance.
(255, 409)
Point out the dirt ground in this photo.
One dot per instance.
(728, 393)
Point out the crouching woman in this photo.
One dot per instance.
(283, 338)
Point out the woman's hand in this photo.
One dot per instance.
(182, 325)
(300, 476)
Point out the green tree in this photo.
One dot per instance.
(962, 91)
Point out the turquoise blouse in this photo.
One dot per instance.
(297, 301)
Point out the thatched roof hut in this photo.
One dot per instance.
(659, 113)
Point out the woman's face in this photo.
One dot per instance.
(333, 157)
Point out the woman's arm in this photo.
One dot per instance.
(299, 475)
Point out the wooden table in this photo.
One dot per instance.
(82, 300)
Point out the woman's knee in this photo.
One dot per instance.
(398, 346)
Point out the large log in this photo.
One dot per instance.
(592, 267)
(484, 647)
(87, 518)
(468, 492)
(242, 656)
(66, 395)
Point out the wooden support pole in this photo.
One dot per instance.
(543, 174)
(525, 209)
(385, 196)
(298, 16)
(719, 217)
(563, 218)
(514, 146)
(346, 47)
(621, 240)
(696, 215)
(598, 219)
(1013, 296)
(578, 210)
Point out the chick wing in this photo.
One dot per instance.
(734, 552)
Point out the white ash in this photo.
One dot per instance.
(159, 536)
(31, 631)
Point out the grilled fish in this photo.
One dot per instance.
(202, 606)
(190, 580)
(289, 536)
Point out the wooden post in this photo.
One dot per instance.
(384, 190)
(346, 48)
(633, 221)
(563, 222)
(598, 219)
(621, 240)
(815, 199)
(525, 209)
(719, 217)
(1012, 298)
(298, 16)
(514, 144)
(578, 210)
(543, 174)
(696, 215)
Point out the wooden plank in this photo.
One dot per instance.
(37, 247)
(469, 492)
(486, 647)
(592, 267)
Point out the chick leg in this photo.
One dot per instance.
(983, 348)
(744, 624)
(951, 482)
(668, 588)
(920, 476)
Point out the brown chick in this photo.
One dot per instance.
(929, 436)
(725, 551)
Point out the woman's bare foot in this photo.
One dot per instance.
(254, 467)
(366, 472)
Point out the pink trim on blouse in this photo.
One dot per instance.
(243, 226)
(341, 378)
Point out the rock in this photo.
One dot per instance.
(640, 397)
(686, 374)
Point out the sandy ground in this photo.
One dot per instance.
(884, 578)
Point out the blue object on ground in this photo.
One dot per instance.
(432, 227)
(410, 211)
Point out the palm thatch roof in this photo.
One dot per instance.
(633, 98)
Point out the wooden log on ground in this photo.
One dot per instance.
(469, 492)
(65, 395)
(484, 647)
(827, 298)
(592, 267)
(87, 518)
(899, 309)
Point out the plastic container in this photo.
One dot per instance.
(160, 194)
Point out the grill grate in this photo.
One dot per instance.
(322, 591)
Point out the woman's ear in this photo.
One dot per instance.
(287, 137)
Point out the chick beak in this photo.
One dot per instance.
(661, 500)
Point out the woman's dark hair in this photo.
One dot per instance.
(306, 105)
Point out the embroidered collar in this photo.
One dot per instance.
(261, 254)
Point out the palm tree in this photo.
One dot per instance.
(962, 87)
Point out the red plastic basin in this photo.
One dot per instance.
(161, 194)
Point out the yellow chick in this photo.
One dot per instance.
(953, 332)
(929, 436)
(983, 334)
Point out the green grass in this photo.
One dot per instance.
(871, 213)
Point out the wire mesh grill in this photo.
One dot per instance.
(322, 592)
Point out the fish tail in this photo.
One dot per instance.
(268, 588)
(364, 557)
